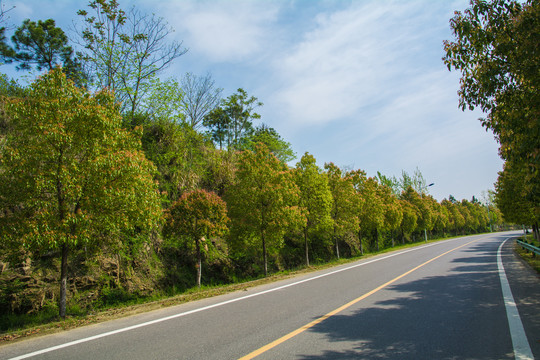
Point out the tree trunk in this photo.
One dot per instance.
(199, 262)
(307, 249)
(337, 245)
(63, 280)
(265, 256)
(361, 244)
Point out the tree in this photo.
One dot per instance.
(164, 101)
(125, 51)
(358, 179)
(371, 209)
(393, 213)
(344, 204)
(71, 175)
(494, 214)
(219, 169)
(8, 88)
(232, 121)
(391, 182)
(496, 49)
(44, 45)
(176, 150)
(409, 221)
(456, 221)
(421, 204)
(219, 124)
(439, 217)
(199, 215)
(315, 198)
(416, 181)
(512, 198)
(273, 141)
(262, 202)
(200, 97)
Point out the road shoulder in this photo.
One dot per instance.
(525, 285)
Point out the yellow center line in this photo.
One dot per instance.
(300, 330)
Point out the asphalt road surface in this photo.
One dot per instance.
(465, 298)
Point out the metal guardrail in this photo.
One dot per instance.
(529, 247)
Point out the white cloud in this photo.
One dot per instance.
(345, 63)
(221, 31)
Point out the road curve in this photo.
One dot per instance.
(443, 300)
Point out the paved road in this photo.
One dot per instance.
(443, 300)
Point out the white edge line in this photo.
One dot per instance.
(522, 350)
(133, 327)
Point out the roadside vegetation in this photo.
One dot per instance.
(17, 327)
(531, 258)
(119, 188)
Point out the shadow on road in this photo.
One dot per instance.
(440, 317)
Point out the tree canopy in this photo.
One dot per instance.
(263, 201)
(231, 123)
(496, 49)
(70, 174)
(198, 215)
(44, 45)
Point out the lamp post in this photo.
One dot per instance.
(425, 230)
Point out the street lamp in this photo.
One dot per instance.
(425, 231)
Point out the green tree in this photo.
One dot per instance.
(164, 101)
(496, 49)
(371, 210)
(393, 213)
(124, 51)
(416, 181)
(8, 88)
(315, 199)
(262, 202)
(44, 45)
(198, 215)
(464, 210)
(71, 175)
(392, 182)
(273, 141)
(178, 152)
(439, 216)
(456, 221)
(219, 169)
(219, 124)
(423, 209)
(409, 221)
(343, 212)
(358, 179)
(232, 121)
(512, 198)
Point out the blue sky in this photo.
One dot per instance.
(359, 83)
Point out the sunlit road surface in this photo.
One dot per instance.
(442, 300)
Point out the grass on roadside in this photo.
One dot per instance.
(532, 259)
